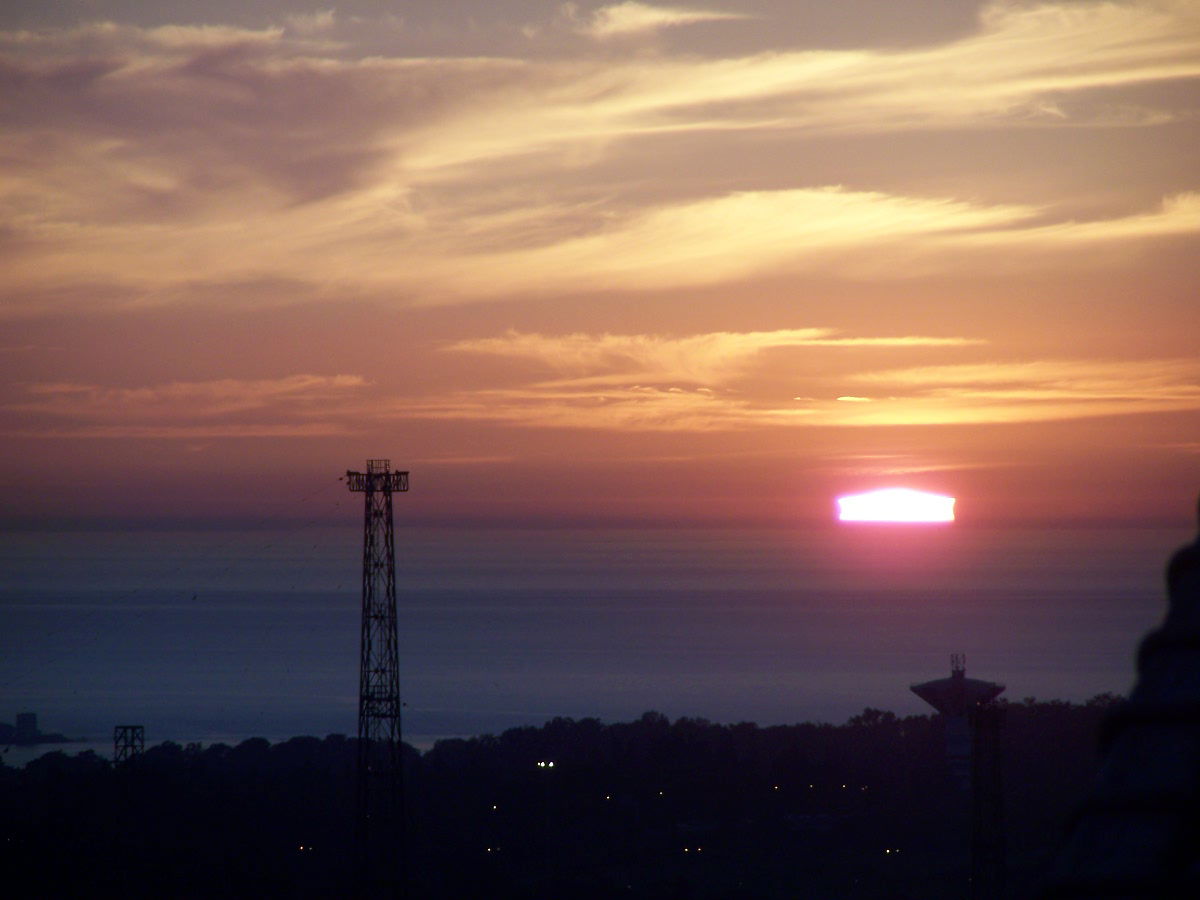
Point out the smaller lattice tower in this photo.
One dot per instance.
(380, 822)
(129, 742)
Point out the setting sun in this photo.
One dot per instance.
(896, 505)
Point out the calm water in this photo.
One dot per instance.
(220, 636)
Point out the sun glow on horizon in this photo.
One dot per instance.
(896, 505)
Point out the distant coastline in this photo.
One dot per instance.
(26, 733)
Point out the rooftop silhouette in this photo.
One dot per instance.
(1135, 834)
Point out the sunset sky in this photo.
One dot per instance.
(705, 261)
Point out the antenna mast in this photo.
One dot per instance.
(380, 774)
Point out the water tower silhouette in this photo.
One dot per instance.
(973, 722)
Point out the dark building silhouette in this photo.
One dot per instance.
(26, 732)
(1137, 835)
(957, 698)
(972, 723)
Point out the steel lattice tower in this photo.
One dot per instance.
(129, 742)
(380, 774)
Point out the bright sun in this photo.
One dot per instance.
(896, 505)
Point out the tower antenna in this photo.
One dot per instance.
(380, 810)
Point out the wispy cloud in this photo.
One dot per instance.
(310, 23)
(636, 18)
(354, 242)
(151, 160)
(180, 432)
(1028, 65)
(152, 407)
(703, 359)
(912, 463)
(1178, 214)
(635, 383)
(858, 235)
(722, 238)
(1034, 391)
(643, 382)
(628, 408)
(648, 382)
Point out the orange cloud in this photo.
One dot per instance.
(627, 18)
(181, 432)
(635, 391)
(1014, 70)
(160, 409)
(702, 358)
(198, 157)
(1178, 214)
(628, 408)
(722, 238)
(1042, 390)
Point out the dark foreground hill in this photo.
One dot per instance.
(645, 809)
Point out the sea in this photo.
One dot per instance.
(213, 635)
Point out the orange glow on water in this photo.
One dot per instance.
(896, 505)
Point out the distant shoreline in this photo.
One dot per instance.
(45, 739)
(26, 735)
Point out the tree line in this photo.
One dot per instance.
(651, 808)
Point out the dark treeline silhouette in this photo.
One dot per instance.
(644, 809)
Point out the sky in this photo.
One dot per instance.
(631, 262)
